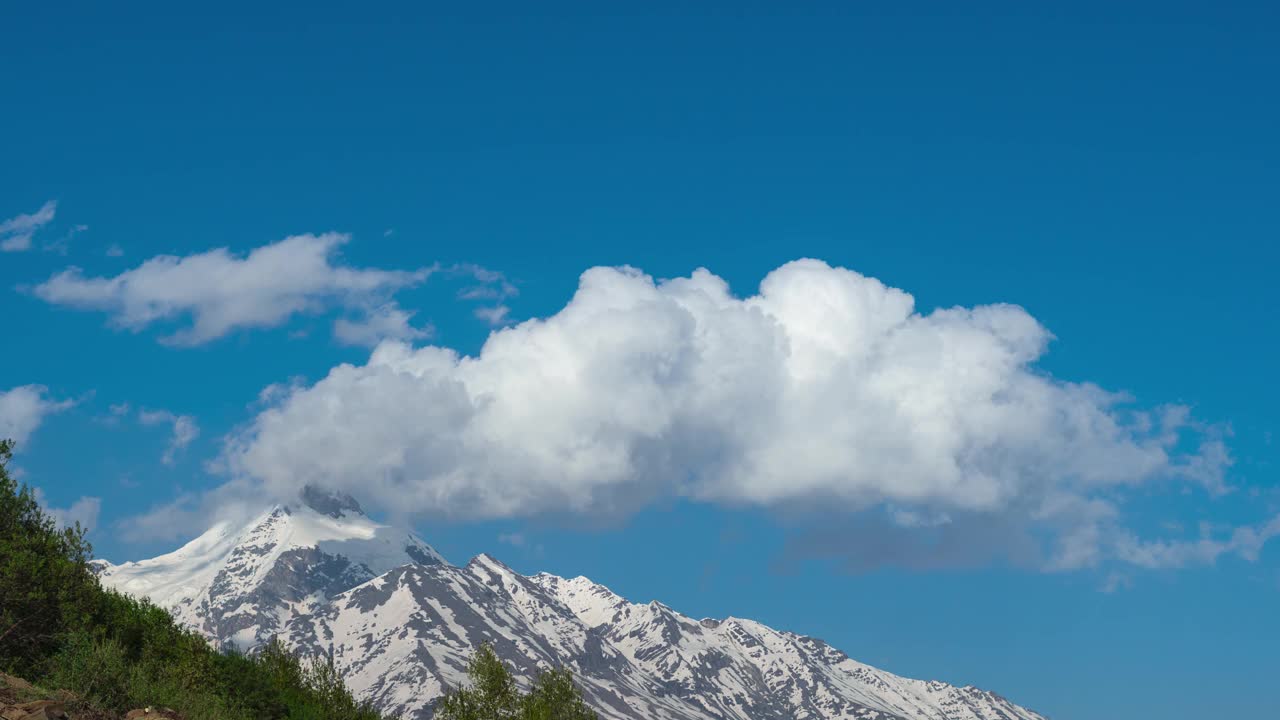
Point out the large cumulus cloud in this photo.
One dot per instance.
(826, 390)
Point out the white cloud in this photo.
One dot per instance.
(84, 511)
(183, 430)
(826, 393)
(23, 408)
(490, 286)
(114, 250)
(232, 502)
(15, 243)
(495, 315)
(1116, 582)
(1245, 542)
(16, 232)
(222, 292)
(63, 244)
(514, 539)
(386, 322)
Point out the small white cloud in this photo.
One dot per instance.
(184, 431)
(491, 286)
(116, 414)
(496, 315)
(917, 519)
(63, 244)
(386, 322)
(114, 250)
(15, 243)
(1245, 542)
(16, 232)
(234, 502)
(514, 539)
(23, 408)
(1115, 582)
(222, 292)
(84, 511)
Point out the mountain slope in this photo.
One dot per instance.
(718, 663)
(405, 637)
(401, 623)
(238, 585)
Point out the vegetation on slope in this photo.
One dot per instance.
(61, 629)
(493, 695)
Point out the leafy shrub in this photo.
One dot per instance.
(59, 626)
(45, 583)
(97, 669)
(493, 695)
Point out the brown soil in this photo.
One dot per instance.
(15, 692)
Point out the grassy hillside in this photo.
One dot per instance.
(60, 630)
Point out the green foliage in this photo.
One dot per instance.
(45, 584)
(555, 697)
(60, 627)
(493, 695)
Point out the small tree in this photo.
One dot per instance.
(58, 626)
(45, 584)
(493, 695)
(555, 697)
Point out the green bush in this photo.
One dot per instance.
(61, 628)
(45, 584)
(493, 695)
(97, 669)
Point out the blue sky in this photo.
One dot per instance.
(1110, 170)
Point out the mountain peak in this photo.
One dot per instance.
(486, 560)
(399, 622)
(334, 504)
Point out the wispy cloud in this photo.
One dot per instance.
(495, 315)
(233, 501)
(386, 322)
(514, 539)
(16, 232)
(523, 543)
(490, 287)
(183, 430)
(24, 408)
(1245, 542)
(222, 292)
(1116, 582)
(84, 511)
(62, 245)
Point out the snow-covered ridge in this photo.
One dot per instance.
(401, 623)
(238, 584)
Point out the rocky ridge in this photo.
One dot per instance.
(401, 622)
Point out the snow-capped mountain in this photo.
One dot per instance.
(238, 585)
(401, 623)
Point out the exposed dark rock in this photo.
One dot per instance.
(333, 504)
